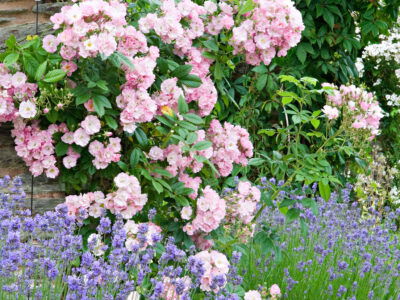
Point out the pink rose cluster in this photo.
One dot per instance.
(82, 205)
(219, 19)
(104, 155)
(360, 108)
(71, 159)
(14, 87)
(168, 95)
(36, 146)
(269, 30)
(135, 102)
(128, 199)
(206, 94)
(242, 203)
(132, 229)
(168, 25)
(215, 264)
(179, 161)
(94, 27)
(231, 144)
(211, 210)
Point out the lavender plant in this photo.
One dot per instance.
(330, 253)
(45, 257)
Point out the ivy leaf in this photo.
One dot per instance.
(329, 18)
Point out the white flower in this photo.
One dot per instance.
(95, 244)
(81, 138)
(133, 296)
(27, 109)
(186, 212)
(91, 125)
(18, 79)
(156, 153)
(122, 180)
(252, 295)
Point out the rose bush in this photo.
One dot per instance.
(122, 113)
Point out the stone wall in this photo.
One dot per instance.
(46, 193)
(18, 17)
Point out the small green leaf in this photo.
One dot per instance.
(329, 18)
(192, 118)
(183, 107)
(163, 172)
(218, 74)
(61, 148)
(324, 190)
(203, 145)
(301, 54)
(256, 161)
(246, 7)
(141, 137)
(286, 100)
(292, 214)
(135, 157)
(269, 132)
(102, 84)
(122, 166)
(111, 122)
(261, 81)
(82, 99)
(182, 201)
(41, 70)
(181, 71)
(210, 44)
(157, 186)
(10, 59)
(191, 81)
(315, 123)
(191, 138)
(54, 75)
